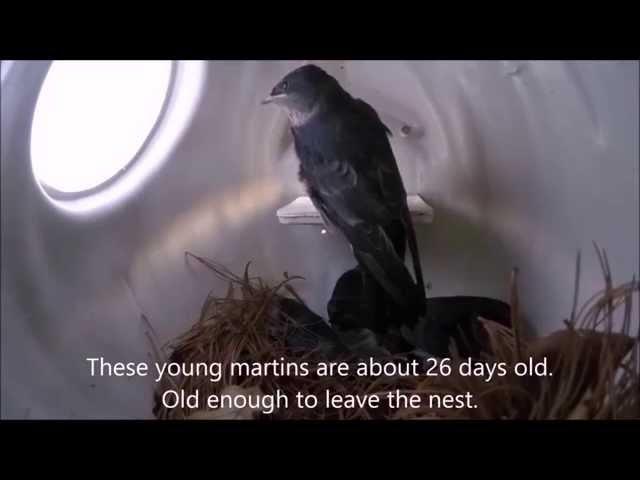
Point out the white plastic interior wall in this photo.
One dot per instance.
(524, 164)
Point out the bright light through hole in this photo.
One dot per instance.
(92, 117)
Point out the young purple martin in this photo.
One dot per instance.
(350, 173)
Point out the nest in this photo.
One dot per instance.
(595, 368)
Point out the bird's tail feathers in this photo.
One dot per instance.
(415, 257)
(377, 255)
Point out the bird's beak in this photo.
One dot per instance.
(273, 98)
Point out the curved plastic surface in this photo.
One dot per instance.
(523, 163)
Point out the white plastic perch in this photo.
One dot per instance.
(302, 211)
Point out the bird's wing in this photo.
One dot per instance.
(351, 176)
(393, 190)
(349, 158)
(386, 172)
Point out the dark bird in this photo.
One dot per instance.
(455, 321)
(350, 173)
(449, 322)
(308, 331)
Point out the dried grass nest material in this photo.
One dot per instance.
(596, 370)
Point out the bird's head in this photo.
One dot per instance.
(301, 90)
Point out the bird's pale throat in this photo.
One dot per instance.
(298, 117)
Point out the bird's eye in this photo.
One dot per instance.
(284, 86)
